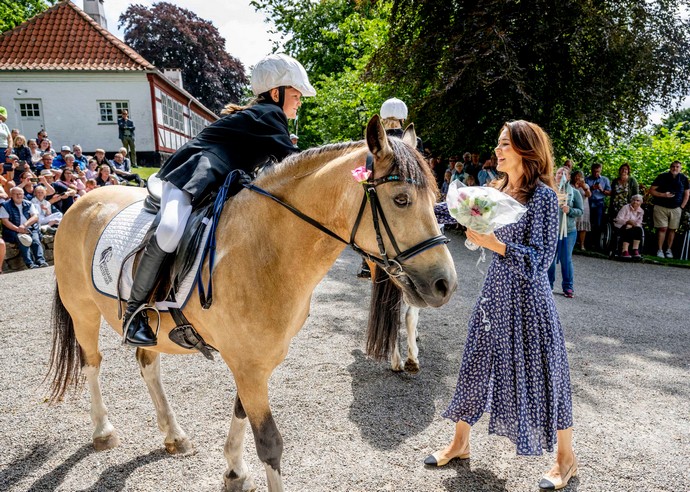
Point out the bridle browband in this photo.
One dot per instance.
(392, 266)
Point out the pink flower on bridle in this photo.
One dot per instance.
(361, 174)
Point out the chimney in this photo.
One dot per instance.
(174, 75)
(95, 9)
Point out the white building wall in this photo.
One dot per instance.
(70, 105)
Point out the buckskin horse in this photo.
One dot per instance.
(264, 251)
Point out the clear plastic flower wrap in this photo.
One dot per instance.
(482, 208)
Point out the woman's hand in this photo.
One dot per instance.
(565, 209)
(488, 241)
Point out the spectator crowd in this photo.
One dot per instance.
(39, 184)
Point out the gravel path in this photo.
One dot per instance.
(349, 423)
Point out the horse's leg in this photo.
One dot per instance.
(237, 477)
(86, 327)
(176, 441)
(252, 388)
(396, 360)
(411, 320)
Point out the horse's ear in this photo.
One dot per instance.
(410, 136)
(377, 139)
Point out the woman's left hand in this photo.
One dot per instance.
(488, 241)
(565, 209)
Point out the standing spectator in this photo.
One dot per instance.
(79, 157)
(122, 173)
(488, 173)
(125, 128)
(569, 164)
(459, 172)
(294, 139)
(21, 150)
(35, 153)
(670, 191)
(474, 166)
(601, 188)
(623, 188)
(446, 182)
(577, 181)
(629, 225)
(570, 203)
(20, 226)
(6, 143)
(515, 364)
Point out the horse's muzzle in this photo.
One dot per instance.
(432, 288)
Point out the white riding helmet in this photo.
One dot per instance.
(394, 108)
(280, 70)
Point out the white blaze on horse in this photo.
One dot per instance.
(265, 252)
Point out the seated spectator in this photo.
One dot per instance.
(104, 177)
(40, 136)
(73, 181)
(10, 166)
(62, 197)
(35, 153)
(45, 179)
(92, 169)
(21, 150)
(459, 172)
(27, 181)
(99, 155)
(68, 187)
(20, 226)
(90, 185)
(629, 225)
(46, 162)
(46, 147)
(488, 173)
(71, 163)
(128, 162)
(123, 174)
(79, 157)
(59, 160)
(48, 217)
(622, 190)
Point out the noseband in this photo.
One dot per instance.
(392, 266)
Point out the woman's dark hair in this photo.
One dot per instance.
(622, 166)
(574, 175)
(531, 143)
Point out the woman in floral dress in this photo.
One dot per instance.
(515, 364)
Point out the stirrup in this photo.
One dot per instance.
(143, 307)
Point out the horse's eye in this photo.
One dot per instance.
(402, 200)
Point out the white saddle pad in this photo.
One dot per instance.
(122, 235)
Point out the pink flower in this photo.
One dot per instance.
(462, 196)
(475, 212)
(361, 174)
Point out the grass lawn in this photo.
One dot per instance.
(145, 172)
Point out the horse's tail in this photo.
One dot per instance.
(66, 355)
(384, 315)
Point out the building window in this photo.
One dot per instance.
(110, 111)
(173, 114)
(197, 123)
(29, 110)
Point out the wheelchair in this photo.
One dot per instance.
(610, 242)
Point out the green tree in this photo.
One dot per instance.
(577, 67)
(172, 37)
(14, 12)
(671, 122)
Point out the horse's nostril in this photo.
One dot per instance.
(441, 287)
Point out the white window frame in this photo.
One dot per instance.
(110, 111)
(173, 113)
(32, 113)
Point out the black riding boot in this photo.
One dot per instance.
(136, 326)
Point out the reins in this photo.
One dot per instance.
(392, 266)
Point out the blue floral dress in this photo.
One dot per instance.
(515, 364)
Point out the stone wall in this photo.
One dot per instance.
(13, 260)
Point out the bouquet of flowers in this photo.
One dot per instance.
(482, 208)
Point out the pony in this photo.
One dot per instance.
(264, 251)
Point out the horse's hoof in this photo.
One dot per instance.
(411, 366)
(182, 446)
(397, 367)
(107, 442)
(235, 483)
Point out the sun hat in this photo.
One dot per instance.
(46, 172)
(394, 108)
(3, 111)
(280, 70)
(25, 239)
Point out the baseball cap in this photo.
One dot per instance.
(65, 147)
(292, 135)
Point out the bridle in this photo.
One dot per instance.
(392, 266)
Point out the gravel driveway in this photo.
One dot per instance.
(349, 423)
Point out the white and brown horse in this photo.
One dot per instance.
(263, 252)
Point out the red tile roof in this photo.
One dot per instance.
(64, 37)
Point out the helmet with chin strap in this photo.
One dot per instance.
(280, 70)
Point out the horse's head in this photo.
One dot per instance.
(406, 190)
